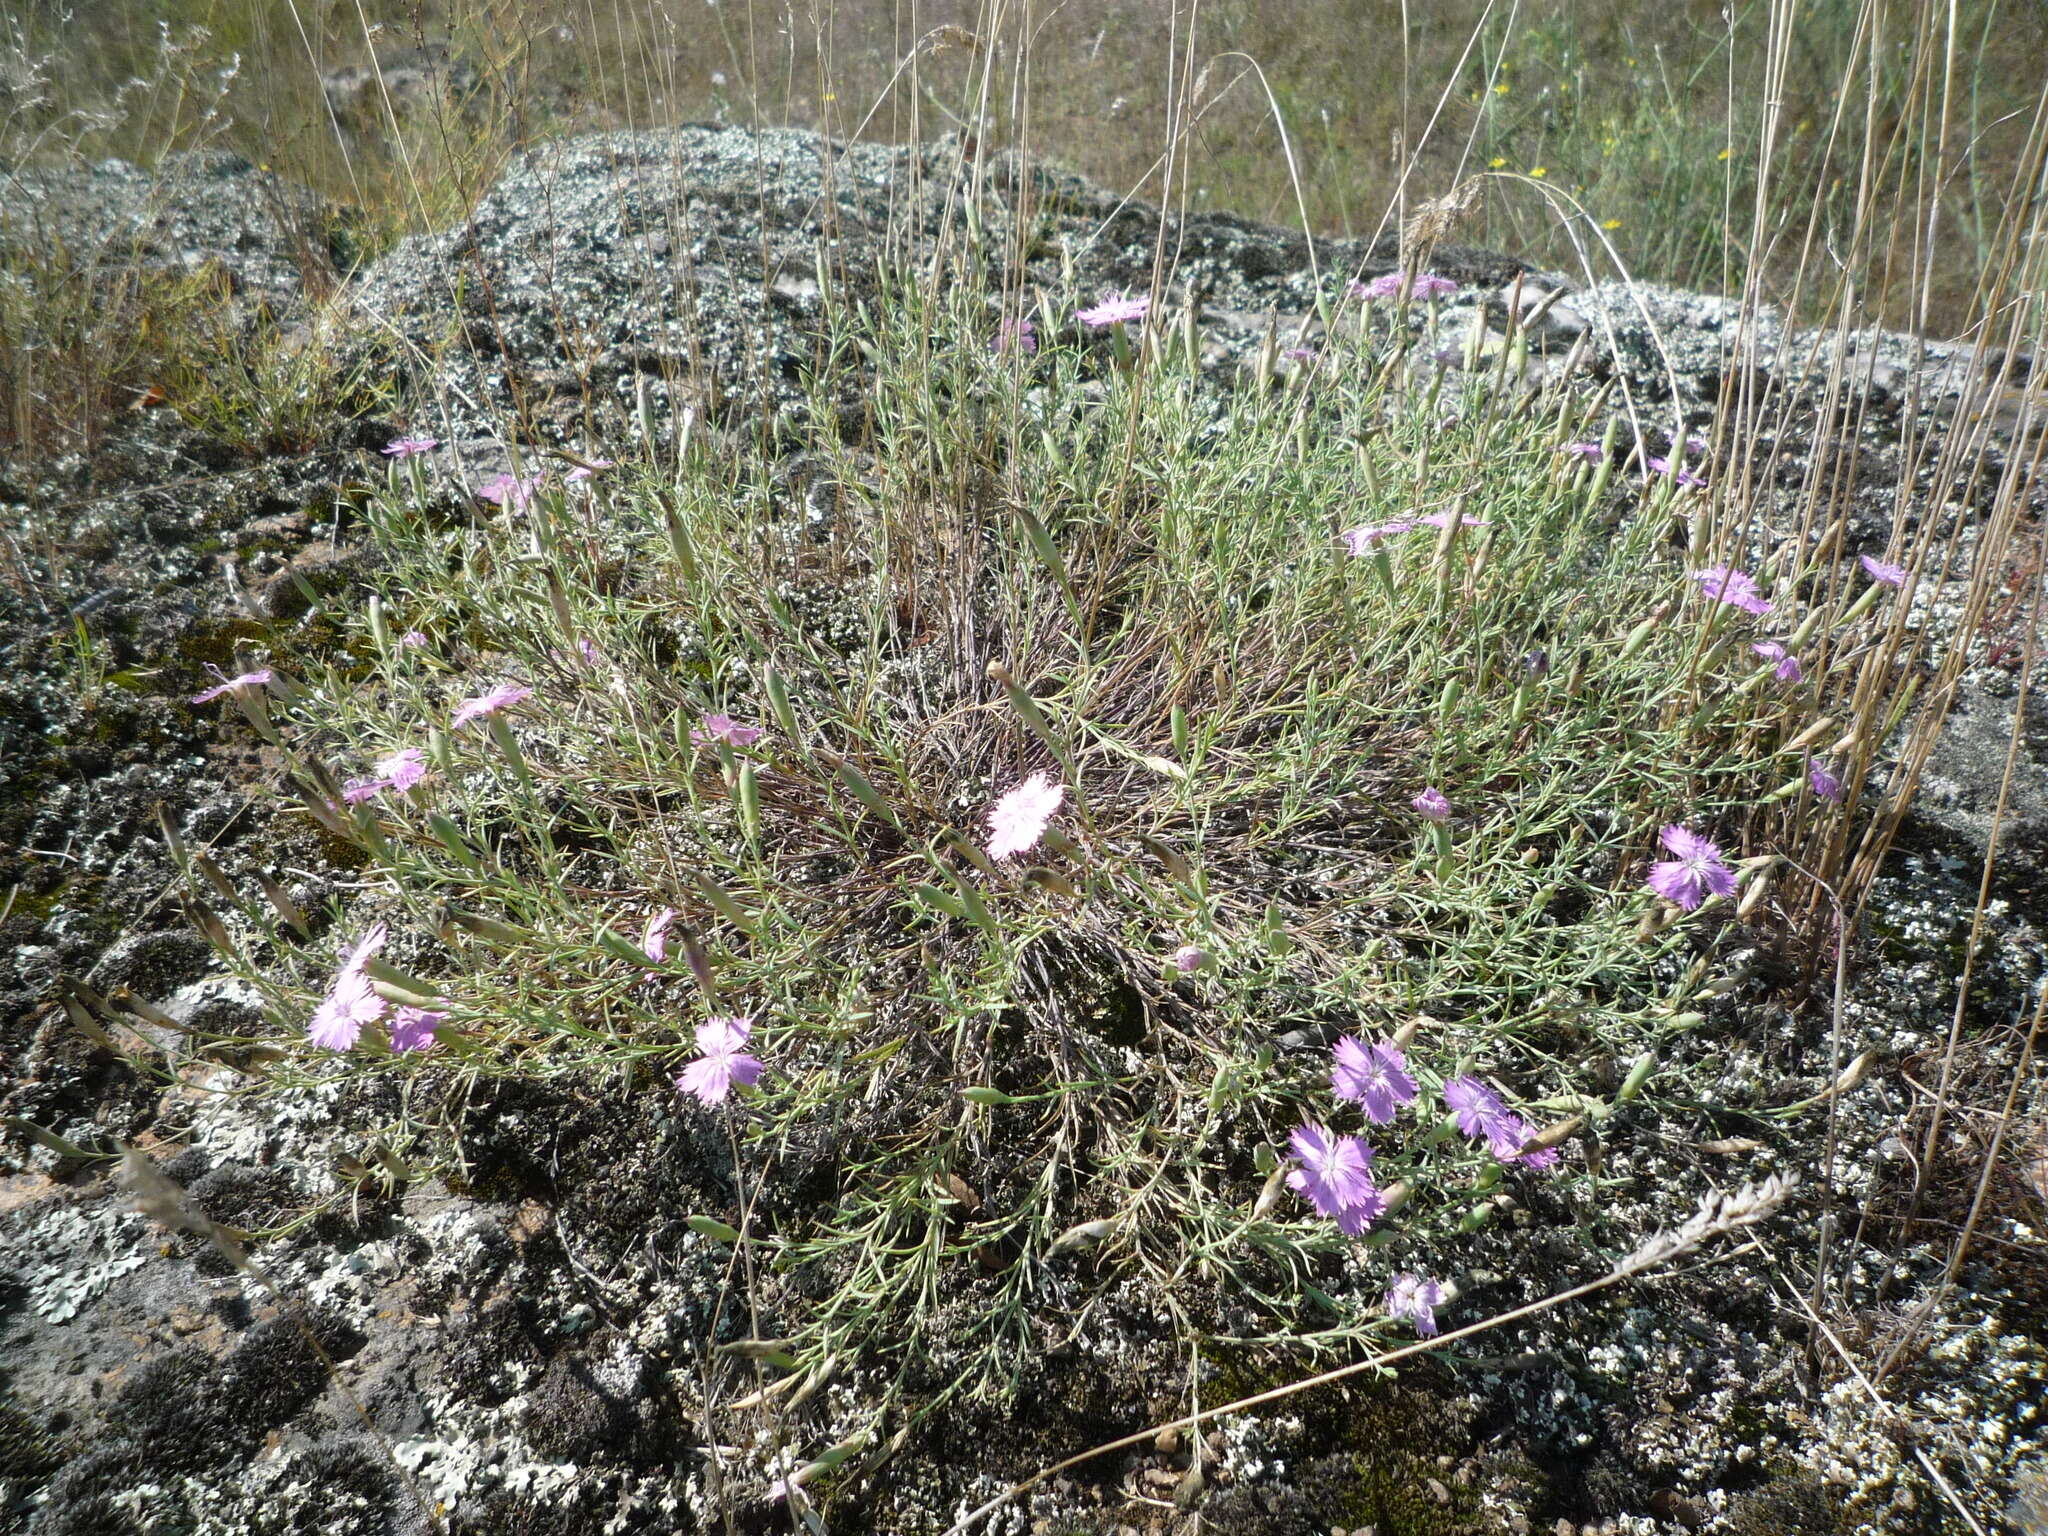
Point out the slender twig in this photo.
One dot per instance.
(1920, 1455)
(1909, 1329)
(1930, 1146)
(1717, 1214)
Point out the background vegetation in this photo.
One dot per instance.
(1650, 117)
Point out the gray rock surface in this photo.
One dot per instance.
(1974, 765)
(196, 209)
(687, 265)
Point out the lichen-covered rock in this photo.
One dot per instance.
(153, 964)
(1976, 778)
(194, 210)
(617, 277)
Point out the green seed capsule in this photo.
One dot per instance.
(1475, 1218)
(750, 803)
(778, 701)
(1638, 1074)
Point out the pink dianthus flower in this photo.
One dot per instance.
(1335, 1177)
(1388, 286)
(1676, 471)
(1472, 1104)
(1416, 1299)
(1695, 871)
(350, 1003)
(256, 679)
(1015, 333)
(1507, 1133)
(515, 493)
(1018, 820)
(1375, 1075)
(1724, 583)
(1431, 804)
(711, 1076)
(1364, 540)
(412, 1029)
(724, 729)
(654, 942)
(504, 696)
(1787, 669)
(1115, 309)
(403, 768)
(1479, 1113)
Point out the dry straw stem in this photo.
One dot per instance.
(1931, 1146)
(2002, 332)
(1718, 1213)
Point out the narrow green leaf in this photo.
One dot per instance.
(972, 853)
(1052, 880)
(408, 991)
(208, 922)
(680, 545)
(623, 947)
(1165, 853)
(1163, 766)
(1082, 1236)
(216, 878)
(489, 928)
(970, 901)
(449, 836)
(866, 793)
(89, 1027)
(50, 1139)
(282, 904)
(1047, 552)
(778, 702)
(722, 899)
(1034, 720)
(835, 1455)
(750, 802)
(753, 1349)
(168, 826)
